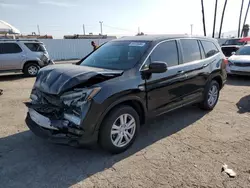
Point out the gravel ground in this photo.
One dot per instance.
(185, 148)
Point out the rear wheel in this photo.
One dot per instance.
(31, 69)
(211, 97)
(119, 129)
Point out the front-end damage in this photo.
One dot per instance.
(61, 115)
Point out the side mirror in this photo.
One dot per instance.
(233, 53)
(157, 67)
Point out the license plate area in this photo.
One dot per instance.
(40, 119)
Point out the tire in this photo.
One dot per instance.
(210, 102)
(31, 69)
(112, 142)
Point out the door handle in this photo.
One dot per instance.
(180, 72)
(205, 65)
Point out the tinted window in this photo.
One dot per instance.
(209, 48)
(191, 50)
(166, 52)
(9, 48)
(243, 51)
(35, 47)
(117, 55)
(234, 42)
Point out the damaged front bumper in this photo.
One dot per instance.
(61, 119)
(56, 131)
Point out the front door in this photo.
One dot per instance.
(164, 90)
(11, 56)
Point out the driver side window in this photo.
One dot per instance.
(166, 52)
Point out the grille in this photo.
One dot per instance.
(239, 64)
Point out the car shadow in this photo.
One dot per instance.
(243, 105)
(236, 80)
(26, 160)
(11, 77)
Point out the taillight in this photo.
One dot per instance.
(224, 63)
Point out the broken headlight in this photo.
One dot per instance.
(79, 96)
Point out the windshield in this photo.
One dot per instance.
(243, 51)
(234, 42)
(118, 55)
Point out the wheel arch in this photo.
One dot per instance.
(29, 62)
(135, 102)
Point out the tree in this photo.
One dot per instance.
(244, 23)
(203, 17)
(245, 30)
(141, 33)
(222, 17)
(242, 3)
(215, 11)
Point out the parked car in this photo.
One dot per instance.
(232, 45)
(27, 56)
(239, 62)
(121, 85)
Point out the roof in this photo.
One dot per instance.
(7, 28)
(159, 37)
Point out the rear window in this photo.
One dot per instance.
(191, 50)
(35, 47)
(9, 48)
(209, 48)
(234, 42)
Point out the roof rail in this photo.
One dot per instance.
(35, 40)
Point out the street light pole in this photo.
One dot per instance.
(83, 28)
(191, 25)
(101, 26)
(38, 29)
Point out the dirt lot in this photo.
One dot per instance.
(185, 148)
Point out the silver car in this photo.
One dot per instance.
(239, 62)
(27, 56)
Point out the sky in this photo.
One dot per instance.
(119, 17)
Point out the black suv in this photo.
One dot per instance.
(120, 85)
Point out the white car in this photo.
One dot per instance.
(239, 62)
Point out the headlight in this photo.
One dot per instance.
(33, 97)
(78, 97)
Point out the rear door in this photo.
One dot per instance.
(164, 90)
(11, 57)
(195, 68)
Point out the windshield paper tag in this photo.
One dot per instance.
(140, 44)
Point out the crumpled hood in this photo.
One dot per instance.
(240, 58)
(56, 79)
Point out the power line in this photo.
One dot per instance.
(118, 28)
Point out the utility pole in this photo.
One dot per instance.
(215, 11)
(83, 28)
(38, 29)
(101, 26)
(191, 25)
(242, 3)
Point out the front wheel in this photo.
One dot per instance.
(211, 96)
(119, 129)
